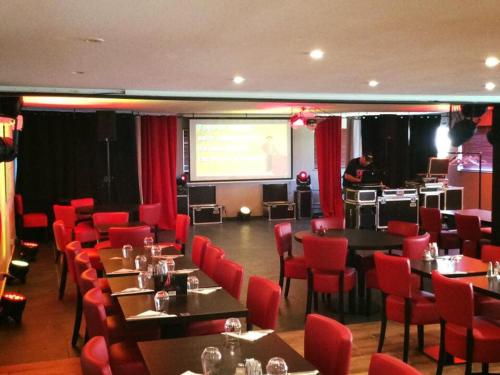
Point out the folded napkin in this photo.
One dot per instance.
(127, 291)
(122, 271)
(150, 314)
(184, 271)
(250, 335)
(205, 290)
(115, 258)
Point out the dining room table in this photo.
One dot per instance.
(450, 266)
(103, 229)
(484, 215)
(179, 355)
(488, 286)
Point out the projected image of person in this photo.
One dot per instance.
(271, 152)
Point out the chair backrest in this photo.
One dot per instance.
(283, 238)
(263, 302)
(18, 204)
(95, 314)
(182, 223)
(384, 364)
(71, 250)
(327, 345)
(229, 275)
(402, 228)
(82, 263)
(327, 223)
(468, 227)
(109, 218)
(212, 256)
(88, 280)
(198, 248)
(415, 246)
(325, 253)
(119, 236)
(82, 202)
(61, 236)
(393, 274)
(150, 213)
(430, 218)
(94, 358)
(65, 213)
(490, 253)
(454, 299)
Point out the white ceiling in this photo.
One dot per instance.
(418, 50)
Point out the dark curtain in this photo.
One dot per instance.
(422, 142)
(158, 165)
(60, 158)
(328, 149)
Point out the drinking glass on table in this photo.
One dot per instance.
(210, 360)
(141, 262)
(127, 250)
(170, 264)
(155, 251)
(161, 300)
(193, 283)
(148, 242)
(233, 325)
(143, 279)
(277, 366)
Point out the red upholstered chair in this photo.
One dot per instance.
(89, 280)
(469, 232)
(327, 223)
(61, 238)
(198, 248)
(211, 258)
(473, 338)
(402, 228)
(291, 267)
(327, 272)
(401, 302)
(182, 223)
(384, 364)
(119, 236)
(263, 302)
(431, 221)
(484, 305)
(82, 232)
(109, 218)
(94, 357)
(150, 214)
(29, 220)
(327, 345)
(82, 202)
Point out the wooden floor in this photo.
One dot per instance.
(365, 343)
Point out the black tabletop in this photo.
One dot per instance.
(175, 356)
(489, 286)
(361, 239)
(450, 266)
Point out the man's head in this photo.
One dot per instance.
(366, 159)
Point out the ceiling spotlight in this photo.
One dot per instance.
(491, 61)
(316, 54)
(489, 86)
(238, 80)
(77, 72)
(93, 40)
(373, 83)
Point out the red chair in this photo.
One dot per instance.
(291, 267)
(82, 202)
(263, 302)
(30, 220)
(401, 302)
(484, 305)
(327, 272)
(94, 357)
(61, 238)
(384, 364)
(402, 228)
(327, 345)
(473, 338)
(469, 232)
(198, 249)
(182, 223)
(212, 256)
(119, 236)
(431, 221)
(82, 232)
(89, 280)
(109, 219)
(150, 214)
(327, 223)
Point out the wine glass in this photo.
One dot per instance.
(210, 359)
(155, 251)
(127, 250)
(233, 325)
(161, 300)
(148, 242)
(277, 366)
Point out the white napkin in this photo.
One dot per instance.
(150, 314)
(170, 256)
(115, 258)
(313, 372)
(250, 335)
(205, 290)
(189, 373)
(132, 291)
(122, 271)
(184, 271)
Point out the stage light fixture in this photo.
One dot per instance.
(13, 305)
(18, 269)
(303, 118)
(244, 213)
(29, 250)
(303, 181)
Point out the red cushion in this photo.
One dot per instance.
(85, 232)
(95, 259)
(328, 282)
(423, 308)
(103, 245)
(207, 327)
(371, 280)
(295, 267)
(125, 358)
(486, 340)
(104, 285)
(487, 306)
(35, 220)
(486, 230)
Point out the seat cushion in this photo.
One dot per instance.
(328, 282)
(103, 245)
(487, 306)
(486, 334)
(125, 358)
(423, 308)
(35, 220)
(207, 327)
(295, 267)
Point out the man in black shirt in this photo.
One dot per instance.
(354, 170)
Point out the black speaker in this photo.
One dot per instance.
(303, 202)
(182, 204)
(9, 106)
(106, 125)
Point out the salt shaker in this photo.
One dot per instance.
(490, 270)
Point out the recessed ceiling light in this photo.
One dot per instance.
(491, 62)
(489, 86)
(316, 54)
(93, 40)
(78, 72)
(238, 80)
(373, 83)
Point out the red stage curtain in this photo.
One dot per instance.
(328, 143)
(158, 163)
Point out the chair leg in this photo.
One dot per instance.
(316, 305)
(368, 306)
(469, 348)
(282, 272)
(383, 325)
(64, 275)
(287, 287)
(341, 297)
(406, 344)
(420, 332)
(309, 291)
(442, 352)
(352, 301)
(78, 319)
(485, 368)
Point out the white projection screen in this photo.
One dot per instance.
(238, 150)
